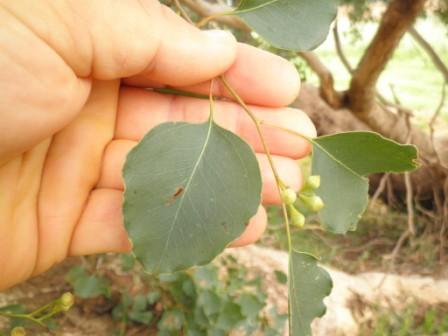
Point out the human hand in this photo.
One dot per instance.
(68, 118)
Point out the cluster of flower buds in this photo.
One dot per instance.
(307, 198)
(61, 304)
(66, 301)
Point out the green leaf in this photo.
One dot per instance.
(281, 277)
(229, 316)
(140, 303)
(289, 24)
(189, 288)
(250, 305)
(343, 191)
(153, 297)
(369, 153)
(14, 321)
(13, 308)
(190, 190)
(177, 290)
(342, 160)
(87, 286)
(192, 331)
(172, 320)
(127, 262)
(210, 302)
(206, 277)
(143, 317)
(308, 286)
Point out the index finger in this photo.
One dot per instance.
(259, 77)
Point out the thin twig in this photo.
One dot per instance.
(287, 130)
(435, 58)
(207, 9)
(25, 317)
(339, 49)
(183, 12)
(379, 190)
(405, 235)
(426, 212)
(256, 122)
(444, 225)
(365, 246)
(409, 203)
(212, 17)
(326, 79)
(434, 119)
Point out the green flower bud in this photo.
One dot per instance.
(288, 196)
(67, 300)
(313, 182)
(313, 203)
(297, 219)
(18, 331)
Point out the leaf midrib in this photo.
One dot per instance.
(383, 138)
(187, 185)
(337, 160)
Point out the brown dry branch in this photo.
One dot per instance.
(342, 112)
(183, 12)
(326, 88)
(434, 119)
(435, 58)
(207, 9)
(339, 49)
(443, 228)
(379, 190)
(398, 18)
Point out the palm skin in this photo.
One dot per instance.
(73, 103)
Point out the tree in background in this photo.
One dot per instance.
(362, 106)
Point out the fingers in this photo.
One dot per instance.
(72, 167)
(188, 55)
(254, 229)
(101, 229)
(259, 77)
(141, 110)
(107, 40)
(289, 172)
(288, 169)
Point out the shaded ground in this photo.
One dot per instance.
(370, 247)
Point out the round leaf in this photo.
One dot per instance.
(190, 191)
(289, 24)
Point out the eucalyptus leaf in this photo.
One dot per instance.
(289, 24)
(309, 284)
(342, 161)
(368, 152)
(190, 190)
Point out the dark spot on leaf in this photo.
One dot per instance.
(224, 225)
(176, 194)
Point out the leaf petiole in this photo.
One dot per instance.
(257, 123)
(207, 19)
